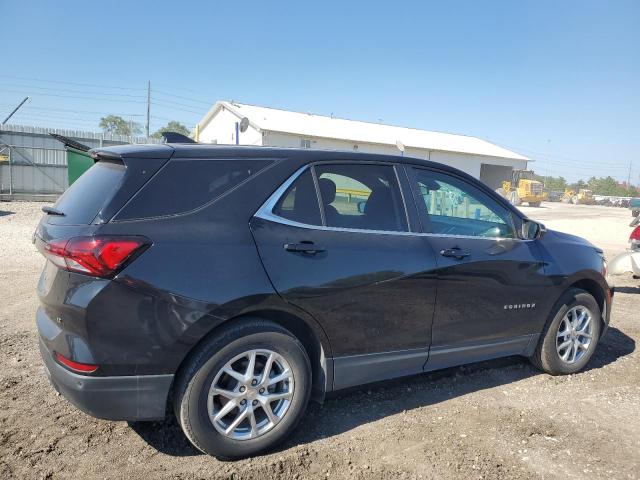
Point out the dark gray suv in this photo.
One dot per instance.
(234, 284)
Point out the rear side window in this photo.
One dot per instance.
(83, 200)
(300, 202)
(184, 185)
(361, 196)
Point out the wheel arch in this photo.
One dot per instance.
(312, 338)
(597, 291)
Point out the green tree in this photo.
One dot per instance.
(610, 186)
(579, 184)
(172, 126)
(119, 126)
(553, 183)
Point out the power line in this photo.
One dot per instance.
(77, 97)
(67, 90)
(170, 104)
(184, 98)
(70, 83)
(73, 110)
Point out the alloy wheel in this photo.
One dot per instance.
(575, 334)
(250, 394)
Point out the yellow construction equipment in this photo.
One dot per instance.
(522, 188)
(582, 197)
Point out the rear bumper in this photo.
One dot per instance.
(135, 398)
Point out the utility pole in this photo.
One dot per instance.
(546, 177)
(148, 107)
(14, 111)
(629, 177)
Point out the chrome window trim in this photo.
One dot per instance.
(265, 212)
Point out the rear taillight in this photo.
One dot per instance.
(635, 235)
(100, 256)
(75, 366)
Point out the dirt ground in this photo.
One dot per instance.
(495, 420)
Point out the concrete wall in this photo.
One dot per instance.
(494, 175)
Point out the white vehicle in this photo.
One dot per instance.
(628, 261)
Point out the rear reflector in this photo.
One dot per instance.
(75, 366)
(100, 256)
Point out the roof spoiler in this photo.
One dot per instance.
(174, 137)
(99, 154)
(69, 142)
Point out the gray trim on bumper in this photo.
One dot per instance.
(135, 398)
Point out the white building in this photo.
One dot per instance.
(282, 128)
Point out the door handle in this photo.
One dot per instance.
(455, 252)
(304, 247)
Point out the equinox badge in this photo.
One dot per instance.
(519, 306)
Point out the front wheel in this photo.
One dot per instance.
(244, 391)
(570, 337)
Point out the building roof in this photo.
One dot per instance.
(310, 125)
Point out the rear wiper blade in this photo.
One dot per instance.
(52, 211)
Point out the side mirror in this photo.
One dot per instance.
(532, 230)
(361, 206)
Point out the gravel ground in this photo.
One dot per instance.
(494, 420)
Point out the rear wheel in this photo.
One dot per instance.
(570, 337)
(244, 391)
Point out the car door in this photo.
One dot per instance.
(490, 282)
(335, 241)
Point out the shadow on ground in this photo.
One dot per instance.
(347, 410)
(4, 213)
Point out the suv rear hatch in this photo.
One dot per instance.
(66, 234)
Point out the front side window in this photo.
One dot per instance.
(450, 206)
(361, 196)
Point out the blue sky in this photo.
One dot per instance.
(556, 80)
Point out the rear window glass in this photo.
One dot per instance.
(184, 185)
(82, 200)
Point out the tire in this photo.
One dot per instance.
(192, 400)
(547, 355)
(534, 204)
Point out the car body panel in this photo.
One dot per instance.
(498, 292)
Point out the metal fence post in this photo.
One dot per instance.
(10, 171)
